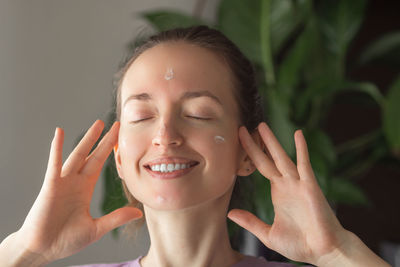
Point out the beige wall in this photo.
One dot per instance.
(57, 59)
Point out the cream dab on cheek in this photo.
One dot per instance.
(219, 139)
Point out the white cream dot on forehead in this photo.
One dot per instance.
(219, 139)
(169, 74)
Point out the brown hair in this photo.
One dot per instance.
(243, 77)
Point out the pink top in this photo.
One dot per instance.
(248, 261)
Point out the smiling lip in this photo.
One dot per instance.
(170, 175)
(173, 174)
(167, 160)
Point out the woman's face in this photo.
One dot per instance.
(178, 107)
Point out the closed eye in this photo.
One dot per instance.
(140, 120)
(192, 117)
(198, 118)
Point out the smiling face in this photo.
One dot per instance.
(178, 106)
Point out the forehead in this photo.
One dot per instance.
(194, 68)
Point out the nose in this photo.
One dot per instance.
(166, 136)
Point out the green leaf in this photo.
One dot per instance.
(164, 20)
(265, 34)
(322, 156)
(367, 88)
(279, 121)
(260, 27)
(340, 21)
(320, 143)
(354, 163)
(391, 117)
(113, 192)
(385, 50)
(310, 105)
(321, 170)
(262, 198)
(240, 21)
(286, 16)
(291, 69)
(343, 191)
(113, 196)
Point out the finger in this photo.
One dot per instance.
(264, 164)
(77, 158)
(303, 160)
(115, 219)
(96, 159)
(54, 164)
(251, 223)
(282, 161)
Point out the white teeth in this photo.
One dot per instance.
(170, 167)
(163, 168)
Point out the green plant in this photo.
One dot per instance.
(299, 50)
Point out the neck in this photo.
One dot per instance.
(196, 235)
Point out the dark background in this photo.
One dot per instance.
(345, 121)
(379, 222)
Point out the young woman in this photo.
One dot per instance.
(189, 122)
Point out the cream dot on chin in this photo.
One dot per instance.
(160, 199)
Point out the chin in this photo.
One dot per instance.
(171, 203)
(175, 196)
(180, 203)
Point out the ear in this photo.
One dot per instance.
(117, 157)
(246, 165)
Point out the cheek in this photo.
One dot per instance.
(132, 145)
(219, 147)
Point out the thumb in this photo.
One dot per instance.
(115, 219)
(251, 223)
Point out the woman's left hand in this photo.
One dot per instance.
(305, 228)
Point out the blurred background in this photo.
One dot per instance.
(58, 58)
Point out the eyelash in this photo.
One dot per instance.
(199, 118)
(139, 120)
(192, 117)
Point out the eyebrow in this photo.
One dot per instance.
(185, 96)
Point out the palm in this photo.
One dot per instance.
(304, 226)
(68, 219)
(302, 229)
(59, 223)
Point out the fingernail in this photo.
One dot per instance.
(116, 124)
(140, 215)
(95, 122)
(243, 129)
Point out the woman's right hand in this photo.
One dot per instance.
(59, 223)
